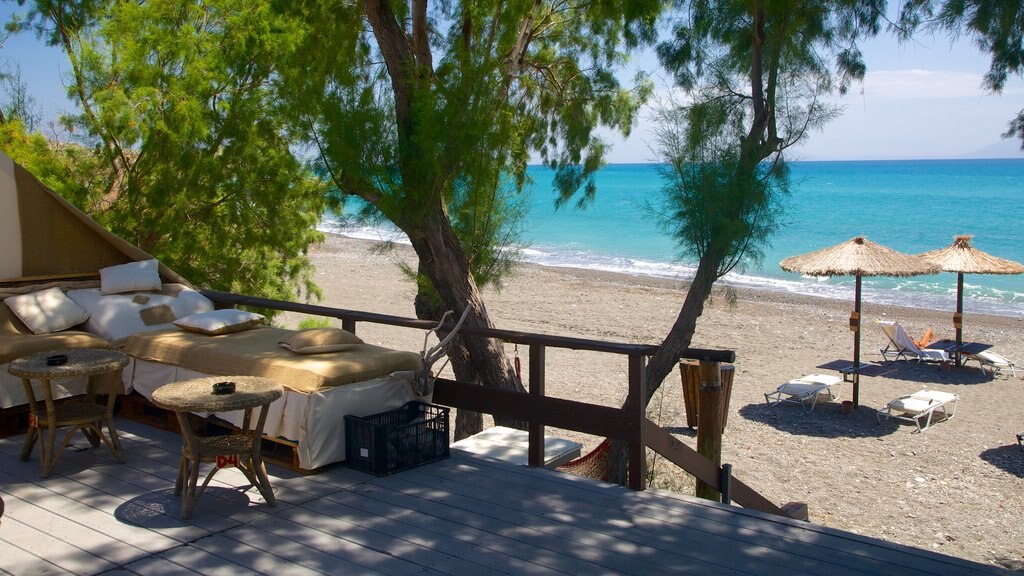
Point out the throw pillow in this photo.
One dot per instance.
(320, 340)
(46, 311)
(131, 277)
(219, 321)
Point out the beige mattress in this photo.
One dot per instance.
(256, 352)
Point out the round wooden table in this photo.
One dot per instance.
(240, 449)
(87, 415)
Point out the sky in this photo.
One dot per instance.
(919, 100)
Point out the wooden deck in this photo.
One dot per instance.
(464, 516)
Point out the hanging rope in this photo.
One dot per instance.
(518, 365)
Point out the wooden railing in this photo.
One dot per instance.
(628, 424)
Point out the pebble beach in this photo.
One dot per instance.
(957, 488)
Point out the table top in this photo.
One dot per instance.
(80, 362)
(197, 395)
(965, 347)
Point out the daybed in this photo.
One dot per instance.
(81, 286)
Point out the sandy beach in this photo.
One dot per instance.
(957, 488)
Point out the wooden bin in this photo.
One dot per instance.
(690, 372)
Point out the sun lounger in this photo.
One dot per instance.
(901, 345)
(804, 391)
(994, 362)
(920, 408)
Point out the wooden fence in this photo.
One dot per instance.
(628, 424)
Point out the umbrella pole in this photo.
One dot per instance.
(958, 317)
(855, 326)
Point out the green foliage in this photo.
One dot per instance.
(74, 172)
(996, 26)
(318, 322)
(449, 136)
(756, 73)
(180, 100)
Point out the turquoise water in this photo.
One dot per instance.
(911, 206)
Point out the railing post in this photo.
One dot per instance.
(709, 429)
(635, 404)
(535, 429)
(726, 483)
(348, 325)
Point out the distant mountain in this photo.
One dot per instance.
(1008, 148)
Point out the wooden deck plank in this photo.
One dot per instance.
(800, 541)
(17, 560)
(387, 537)
(296, 526)
(66, 557)
(460, 516)
(607, 529)
(256, 557)
(449, 515)
(153, 566)
(424, 528)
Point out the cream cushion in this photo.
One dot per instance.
(320, 340)
(46, 311)
(131, 277)
(219, 321)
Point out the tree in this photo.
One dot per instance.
(430, 111)
(756, 73)
(178, 98)
(996, 26)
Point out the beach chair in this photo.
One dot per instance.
(994, 362)
(901, 345)
(921, 408)
(805, 391)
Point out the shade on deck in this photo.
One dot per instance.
(857, 257)
(463, 515)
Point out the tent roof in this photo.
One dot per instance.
(52, 238)
(858, 257)
(960, 256)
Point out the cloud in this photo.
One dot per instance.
(916, 84)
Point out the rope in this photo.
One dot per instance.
(518, 365)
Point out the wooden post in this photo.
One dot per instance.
(535, 429)
(709, 430)
(635, 407)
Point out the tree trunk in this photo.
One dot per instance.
(467, 422)
(666, 358)
(443, 261)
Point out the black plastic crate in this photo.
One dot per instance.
(397, 440)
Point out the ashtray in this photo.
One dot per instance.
(224, 388)
(57, 360)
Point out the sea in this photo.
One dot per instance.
(908, 205)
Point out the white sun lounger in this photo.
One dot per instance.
(804, 391)
(920, 408)
(993, 361)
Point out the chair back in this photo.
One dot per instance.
(903, 340)
(899, 337)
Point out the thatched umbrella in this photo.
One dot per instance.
(857, 257)
(962, 258)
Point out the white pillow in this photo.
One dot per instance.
(115, 316)
(131, 277)
(218, 322)
(46, 311)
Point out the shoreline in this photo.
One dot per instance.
(954, 489)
